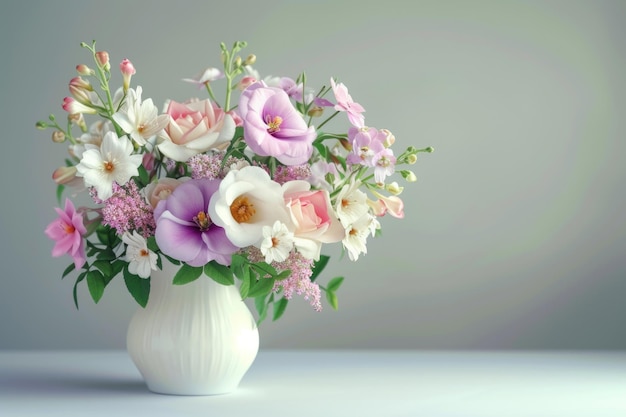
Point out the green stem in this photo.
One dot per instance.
(327, 120)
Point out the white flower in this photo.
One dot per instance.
(351, 203)
(246, 201)
(141, 259)
(140, 119)
(112, 162)
(277, 242)
(356, 236)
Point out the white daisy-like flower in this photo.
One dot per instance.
(356, 236)
(351, 203)
(141, 260)
(140, 119)
(277, 242)
(112, 162)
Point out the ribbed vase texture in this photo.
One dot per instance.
(193, 339)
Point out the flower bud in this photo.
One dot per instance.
(102, 58)
(72, 106)
(315, 111)
(83, 69)
(250, 60)
(79, 120)
(246, 82)
(409, 176)
(411, 159)
(128, 70)
(237, 62)
(41, 125)
(64, 175)
(58, 136)
(394, 188)
(79, 88)
(389, 140)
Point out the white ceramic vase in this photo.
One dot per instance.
(193, 339)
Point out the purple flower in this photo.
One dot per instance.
(184, 229)
(273, 127)
(67, 231)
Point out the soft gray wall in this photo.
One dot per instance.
(514, 234)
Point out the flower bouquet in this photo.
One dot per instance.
(246, 190)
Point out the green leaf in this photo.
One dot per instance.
(262, 287)
(334, 284)
(244, 288)
(69, 269)
(144, 177)
(319, 266)
(219, 273)
(187, 274)
(106, 255)
(152, 245)
(105, 267)
(331, 297)
(283, 275)
(103, 236)
(138, 287)
(95, 283)
(263, 268)
(261, 305)
(60, 189)
(279, 308)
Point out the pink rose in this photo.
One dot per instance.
(195, 127)
(314, 220)
(160, 190)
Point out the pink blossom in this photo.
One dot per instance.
(68, 231)
(128, 210)
(195, 127)
(128, 70)
(345, 103)
(313, 217)
(273, 127)
(387, 204)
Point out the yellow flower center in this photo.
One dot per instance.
(242, 209)
(109, 166)
(202, 220)
(273, 123)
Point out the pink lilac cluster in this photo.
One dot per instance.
(285, 174)
(128, 210)
(299, 282)
(210, 166)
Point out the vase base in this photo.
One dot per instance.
(189, 391)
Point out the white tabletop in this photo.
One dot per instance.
(328, 383)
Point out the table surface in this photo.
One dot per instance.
(328, 383)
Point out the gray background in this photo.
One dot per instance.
(514, 235)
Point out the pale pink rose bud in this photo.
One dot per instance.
(58, 136)
(161, 189)
(102, 58)
(148, 161)
(64, 175)
(389, 138)
(128, 70)
(83, 69)
(246, 82)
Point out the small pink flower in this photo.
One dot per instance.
(387, 204)
(128, 70)
(68, 231)
(345, 103)
(102, 57)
